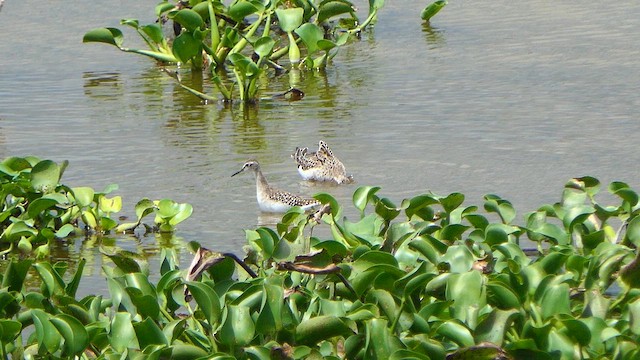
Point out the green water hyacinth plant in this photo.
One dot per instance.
(36, 208)
(428, 278)
(223, 38)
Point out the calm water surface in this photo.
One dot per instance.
(504, 97)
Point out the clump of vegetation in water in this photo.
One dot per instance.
(429, 278)
(247, 36)
(35, 208)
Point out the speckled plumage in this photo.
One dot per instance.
(321, 165)
(271, 199)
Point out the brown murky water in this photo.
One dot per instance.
(504, 97)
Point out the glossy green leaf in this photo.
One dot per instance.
(122, 334)
(493, 328)
(186, 47)
(188, 18)
(503, 208)
(468, 293)
(106, 35)
(149, 333)
(9, 330)
(460, 258)
(333, 8)
(190, 352)
(321, 328)
(264, 46)
(310, 34)
(15, 274)
(241, 9)
(289, 19)
(380, 341)
(555, 300)
(270, 316)
(432, 9)
(238, 327)
(502, 296)
(456, 332)
(51, 280)
(76, 338)
(49, 338)
(207, 300)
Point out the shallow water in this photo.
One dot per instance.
(493, 97)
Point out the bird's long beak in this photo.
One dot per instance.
(237, 172)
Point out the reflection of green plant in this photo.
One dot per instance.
(212, 33)
(36, 208)
(428, 279)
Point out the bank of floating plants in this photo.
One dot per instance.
(427, 278)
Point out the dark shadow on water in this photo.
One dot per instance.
(102, 85)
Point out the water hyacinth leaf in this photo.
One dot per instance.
(456, 332)
(289, 19)
(39, 206)
(634, 316)
(45, 176)
(502, 296)
(141, 282)
(577, 330)
(122, 334)
(372, 258)
(9, 330)
(154, 31)
(64, 231)
(241, 9)
(432, 9)
(459, 257)
(633, 231)
(332, 8)
(76, 338)
(452, 232)
(83, 196)
(107, 35)
(577, 215)
(144, 207)
(623, 190)
(207, 299)
(467, 291)
(321, 328)
(72, 287)
(324, 198)
(238, 327)
(49, 338)
(555, 300)
(149, 333)
(503, 208)
(452, 201)
(310, 34)
(189, 352)
(110, 205)
(147, 305)
(163, 7)
(243, 64)
(188, 18)
(186, 47)
(495, 235)
(380, 341)
(494, 327)
(264, 46)
(51, 280)
(15, 274)
(270, 316)
(326, 45)
(419, 206)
